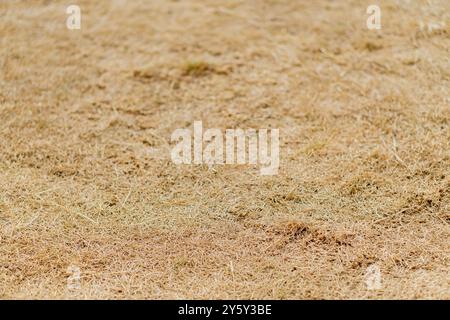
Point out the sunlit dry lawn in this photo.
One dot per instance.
(86, 178)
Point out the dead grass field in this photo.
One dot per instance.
(86, 177)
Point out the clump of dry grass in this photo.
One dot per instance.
(197, 68)
(86, 178)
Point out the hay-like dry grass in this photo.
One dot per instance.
(86, 177)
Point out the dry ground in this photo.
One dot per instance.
(85, 171)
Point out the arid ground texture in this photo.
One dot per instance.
(87, 182)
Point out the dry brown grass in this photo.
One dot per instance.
(86, 178)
